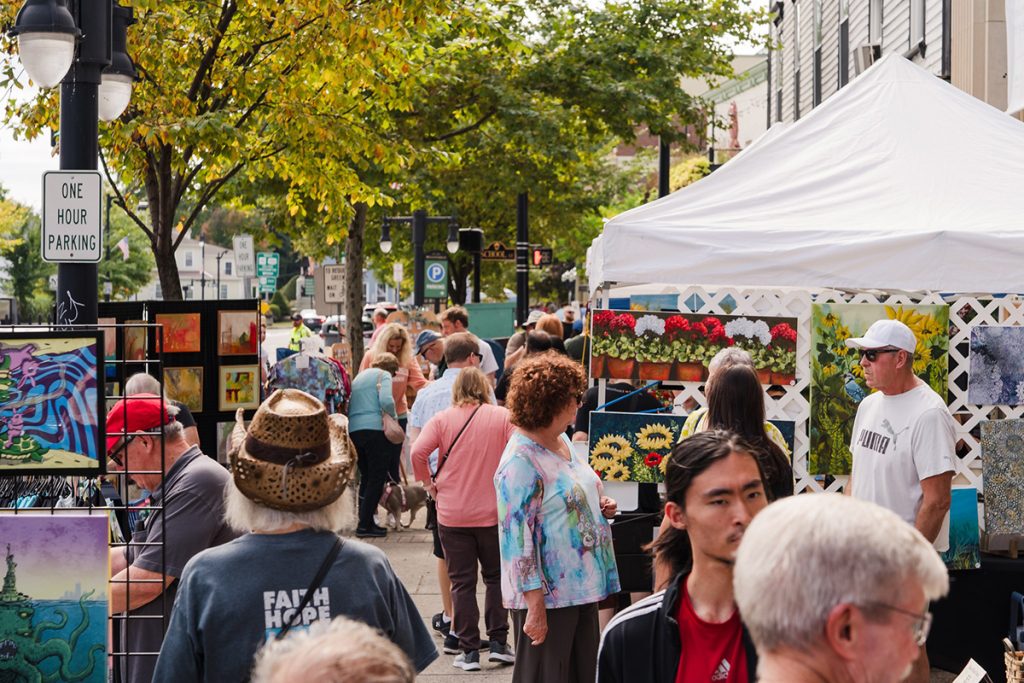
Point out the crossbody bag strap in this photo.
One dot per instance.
(454, 441)
(321, 574)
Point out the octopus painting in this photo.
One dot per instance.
(26, 651)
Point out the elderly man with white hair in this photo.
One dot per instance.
(836, 590)
(291, 570)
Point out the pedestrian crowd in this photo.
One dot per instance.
(752, 582)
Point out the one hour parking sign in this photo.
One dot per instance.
(72, 216)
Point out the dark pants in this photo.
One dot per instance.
(376, 456)
(568, 653)
(464, 547)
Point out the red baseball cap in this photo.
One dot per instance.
(135, 413)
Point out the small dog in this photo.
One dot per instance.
(398, 498)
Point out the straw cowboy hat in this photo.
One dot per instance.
(293, 456)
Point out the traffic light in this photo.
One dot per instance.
(540, 256)
(536, 257)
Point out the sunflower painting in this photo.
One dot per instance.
(837, 379)
(632, 446)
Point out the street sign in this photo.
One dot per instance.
(268, 284)
(309, 286)
(268, 264)
(497, 251)
(397, 272)
(334, 284)
(72, 217)
(435, 285)
(245, 256)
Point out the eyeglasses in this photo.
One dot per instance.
(479, 357)
(922, 622)
(115, 456)
(872, 354)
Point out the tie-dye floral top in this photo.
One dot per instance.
(552, 533)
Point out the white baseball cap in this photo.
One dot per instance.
(883, 333)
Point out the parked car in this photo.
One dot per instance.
(368, 310)
(312, 319)
(333, 329)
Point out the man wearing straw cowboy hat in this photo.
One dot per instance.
(289, 469)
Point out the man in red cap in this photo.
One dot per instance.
(185, 516)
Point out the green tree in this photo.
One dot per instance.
(126, 276)
(28, 275)
(249, 90)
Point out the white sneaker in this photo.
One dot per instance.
(468, 661)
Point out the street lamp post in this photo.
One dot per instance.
(95, 83)
(202, 265)
(419, 221)
(219, 257)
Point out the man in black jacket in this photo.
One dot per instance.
(691, 632)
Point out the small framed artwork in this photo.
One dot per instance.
(107, 326)
(52, 408)
(181, 332)
(237, 333)
(224, 430)
(185, 385)
(135, 340)
(239, 387)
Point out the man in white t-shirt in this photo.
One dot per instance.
(903, 440)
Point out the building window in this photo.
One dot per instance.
(188, 259)
(796, 60)
(223, 292)
(158, 292)
(875, 22)
(227, 267)
(916, 23)
(844, 42)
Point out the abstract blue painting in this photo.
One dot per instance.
(997, 366)
(964, 544)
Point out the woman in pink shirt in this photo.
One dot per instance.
(470, 438)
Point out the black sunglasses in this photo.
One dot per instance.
(115, 456)
(872, 354)
(479, 357)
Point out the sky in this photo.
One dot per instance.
(54, 552)
(23, 162)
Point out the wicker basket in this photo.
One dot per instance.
(1014, 667)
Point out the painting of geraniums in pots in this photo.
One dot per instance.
(678, 346)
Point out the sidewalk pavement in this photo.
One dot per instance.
(409, 552)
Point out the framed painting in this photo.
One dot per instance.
(239, 387)
(181, 332)
(639, 345)
(964, 535)
(997, 366)
(1002, 468)
(238, 333)
(107, 326)
(185, 385)
(135, 340)
(223, 432)
(632, 446)
(56, 609)
(837, 379)
(52, 404)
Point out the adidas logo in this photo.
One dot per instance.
(722, 672)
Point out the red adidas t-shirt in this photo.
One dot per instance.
(712, 653)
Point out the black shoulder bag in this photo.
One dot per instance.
(443, 460)
(321, 574)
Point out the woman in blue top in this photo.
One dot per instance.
(557, 560)
(371, 395)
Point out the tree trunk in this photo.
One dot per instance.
(161, 212)
(354, 285)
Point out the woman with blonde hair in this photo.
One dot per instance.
(470, 438)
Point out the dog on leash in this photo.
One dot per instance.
(398, 498)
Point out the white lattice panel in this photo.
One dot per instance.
(965, 313)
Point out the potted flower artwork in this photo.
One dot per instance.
(600, 341)
(781, 354)
(615, 345)
(653, 354)
(753, 336)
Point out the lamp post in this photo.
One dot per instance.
(96, 81)
(202, 264)
(219, 257)
(419, 221)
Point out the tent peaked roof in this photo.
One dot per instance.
(896, 181)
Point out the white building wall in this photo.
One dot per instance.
(895, 38)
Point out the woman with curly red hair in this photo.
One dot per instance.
(557, 560)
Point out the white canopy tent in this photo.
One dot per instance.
(899, 181)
